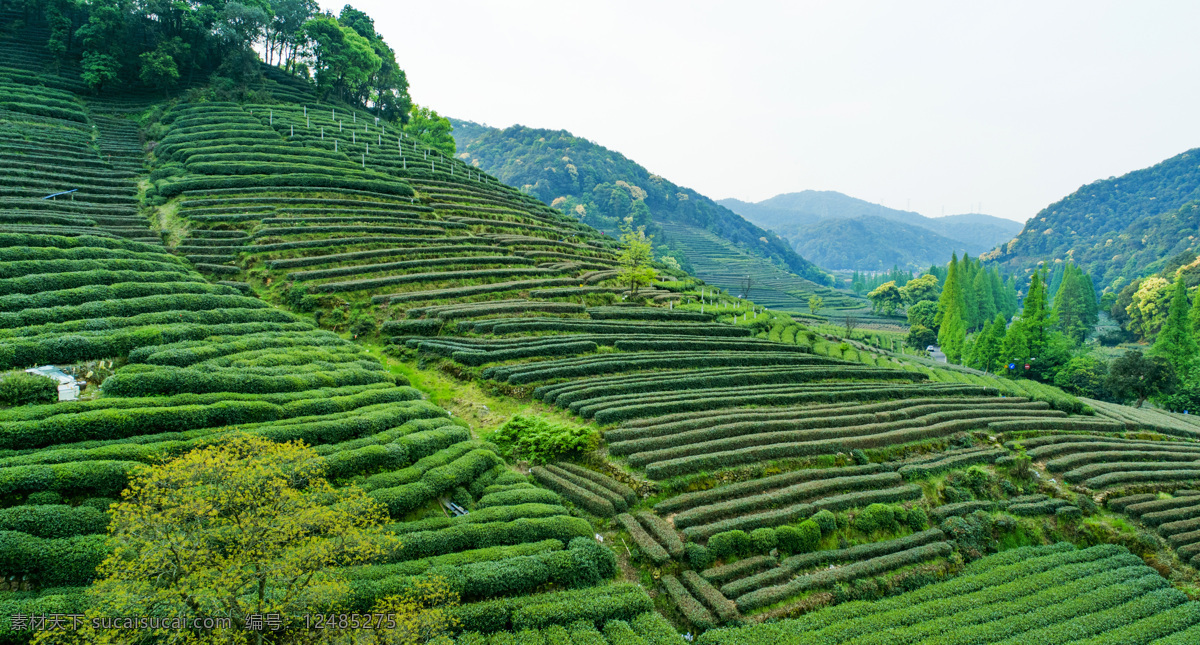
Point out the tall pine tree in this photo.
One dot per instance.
(1194, 316)
(1075, 304)
(952, 335)
(951, 298)
(1175, 341)
(1010, 298)
(967, 269)
(985, 303)
(1036, 316)
(988, 345)
(998, 293)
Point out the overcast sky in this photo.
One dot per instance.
(931, 106)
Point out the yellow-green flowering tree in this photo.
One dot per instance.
(244, 530)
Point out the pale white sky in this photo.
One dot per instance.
(919, 105)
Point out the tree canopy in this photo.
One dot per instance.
(1134, 377)
(166, 43)
(249, 527)
(635, 257)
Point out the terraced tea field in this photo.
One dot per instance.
(1056, 594)
(235, 268)
(85, 282)
(719, 263)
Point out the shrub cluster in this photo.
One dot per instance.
(724, 608)
(583, 497)
(596, 605)
(644, 541)
(808, 490)
(53, 520)
(53, 562)
(789, 567)
(695, 612)
(402, 499)
(863, 568)
(21, 388)
(479, 535)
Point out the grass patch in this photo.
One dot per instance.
(465, 400)
(166, 218)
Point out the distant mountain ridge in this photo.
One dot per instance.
(805, 220)
(1117, 229)
(602, 187)
(870, 243)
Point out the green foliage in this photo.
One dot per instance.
(344, 58)
(1075, 304)
(158, 69)
(763, 540)
(650, 548)
(826, 521)
(989, 344)
(1051, 593)
(584, 496)
(99, 70)
(922, 313)
(663, 533)
(724, 609)
(952, 335)
(431, 129)
(596, 605)
(920, 337)
(1032, 340)
(781, 496)
(53, 562)
(925, 288)
(808, 536)
(636, 254)
(729, 544)
(876, 517)
(1084, 376)
(860, 569)
(21, 388)
(1175, 341)
(54, 520)
(540, 440)
(695, 612)
(1134, 377)
(886, 298)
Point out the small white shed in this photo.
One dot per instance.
(68, 389)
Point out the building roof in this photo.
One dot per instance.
(52, 372)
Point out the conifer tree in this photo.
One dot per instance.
(1175, 341)
(953, 335)
(967, 270)
(1194, 316)
(1092, 308)
(989, 344)
(1075, 304)
(1036, 315)
(998, 294)
(985, 303)
(1010, 298)
(951, 298)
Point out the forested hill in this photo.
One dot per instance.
(870, 244)
(602, 187)
(1116, 229)
(814, 221)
